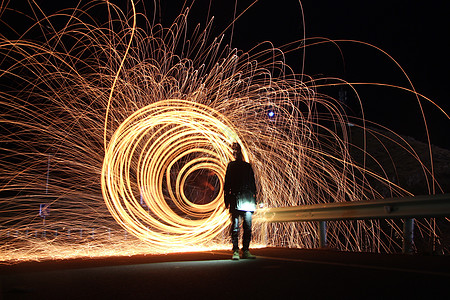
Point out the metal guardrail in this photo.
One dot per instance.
(411, 207)
(406, 208)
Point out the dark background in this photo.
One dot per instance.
(414, 33)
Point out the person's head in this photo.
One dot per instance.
(237, 151)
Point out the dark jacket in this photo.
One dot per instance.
(240, 187)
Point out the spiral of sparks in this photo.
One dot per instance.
(112, 126)
(155, 139)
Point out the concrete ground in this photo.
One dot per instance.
(277, 273)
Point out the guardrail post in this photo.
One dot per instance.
(264, 234)
(408, 236)
(322, 234)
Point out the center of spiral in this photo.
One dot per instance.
(202, 186)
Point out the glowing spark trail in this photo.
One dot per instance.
(154, 139)
(121, 134)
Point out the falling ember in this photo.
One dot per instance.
(105, 125)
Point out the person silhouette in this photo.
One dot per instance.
(240, 199)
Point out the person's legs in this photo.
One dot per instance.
(247, 236)
(235, 231)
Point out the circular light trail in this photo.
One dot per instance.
(150, 155)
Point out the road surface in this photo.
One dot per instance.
(277, 273)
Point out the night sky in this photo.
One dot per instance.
(414, 33)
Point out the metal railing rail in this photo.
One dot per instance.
(407, 208)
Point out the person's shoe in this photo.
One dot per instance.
(235, 255)
(248, 255)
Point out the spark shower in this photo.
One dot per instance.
(112, 130)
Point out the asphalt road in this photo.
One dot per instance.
(277, 273)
